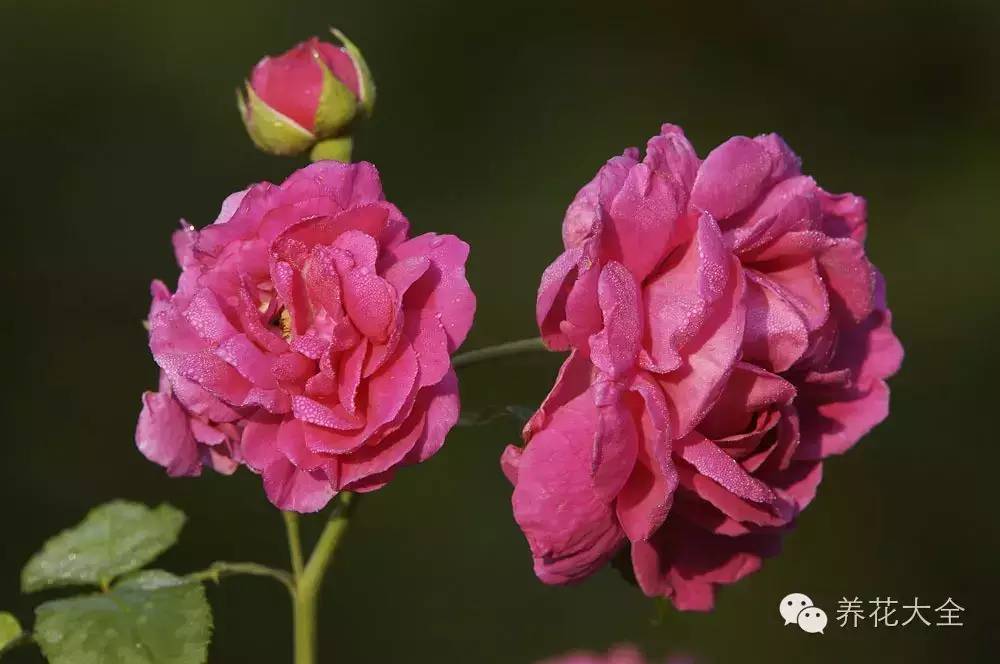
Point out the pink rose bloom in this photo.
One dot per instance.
(727, 333)
(309, 339)
(618, 655)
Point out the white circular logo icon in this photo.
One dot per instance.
(791, 605)
(798, 609)
(812, 620)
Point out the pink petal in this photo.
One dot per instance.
(351, 185)
(370, 302)
(385, 454)
(349, 376)
(844, 215)
(340, 64)
(328, 416)
(510, 461)
(290, 83)
(672, 154)
(291, 442)
(614, 350)
(292, 291)
(322, 280)
(390, 394)
(260, 442)
(731, 178)
(788, 207)
(206, 317)
(615, 441)
(443, 288)
(573, 379)
(164, 437)
(213, 374)
(708, 359)
(645, 500)
(571, 531)
(777, 334)
(712, 462)
(803, 286)
(748, 391)
(553, 291)
(850, 278)
(643, 219)
(681, 298)
(442, 406)
(254, 365)
(404, 273)
(833, 427)
(295, 490)
(585, 214)
(583, 311)
(430, 342)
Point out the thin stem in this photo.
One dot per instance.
(308, 583)
(500, 350)
(221, 568)
(294, 543)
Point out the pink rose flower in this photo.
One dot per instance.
(622, 654)
(309, 339)
(617, 655)
(727, 333)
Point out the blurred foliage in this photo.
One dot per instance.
(118, 118)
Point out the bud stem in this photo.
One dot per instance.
(500, 350)
(308, 582)
(333, 149)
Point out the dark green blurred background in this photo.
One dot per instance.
(117, 118)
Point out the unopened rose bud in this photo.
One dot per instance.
(311, 93)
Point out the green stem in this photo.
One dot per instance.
(308, 583)
(294, 542)
(221, 568)
(338, 148)
(500, 350)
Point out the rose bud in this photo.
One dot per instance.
(306, 97)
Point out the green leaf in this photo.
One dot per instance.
(152, 617)
(10, 630)
(113, 539)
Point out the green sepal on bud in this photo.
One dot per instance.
(270, 130)
(365, 81)
(337, 105)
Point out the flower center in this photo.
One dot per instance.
(285, 323)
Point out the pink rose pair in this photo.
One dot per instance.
(726, 334)
(309, 339)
